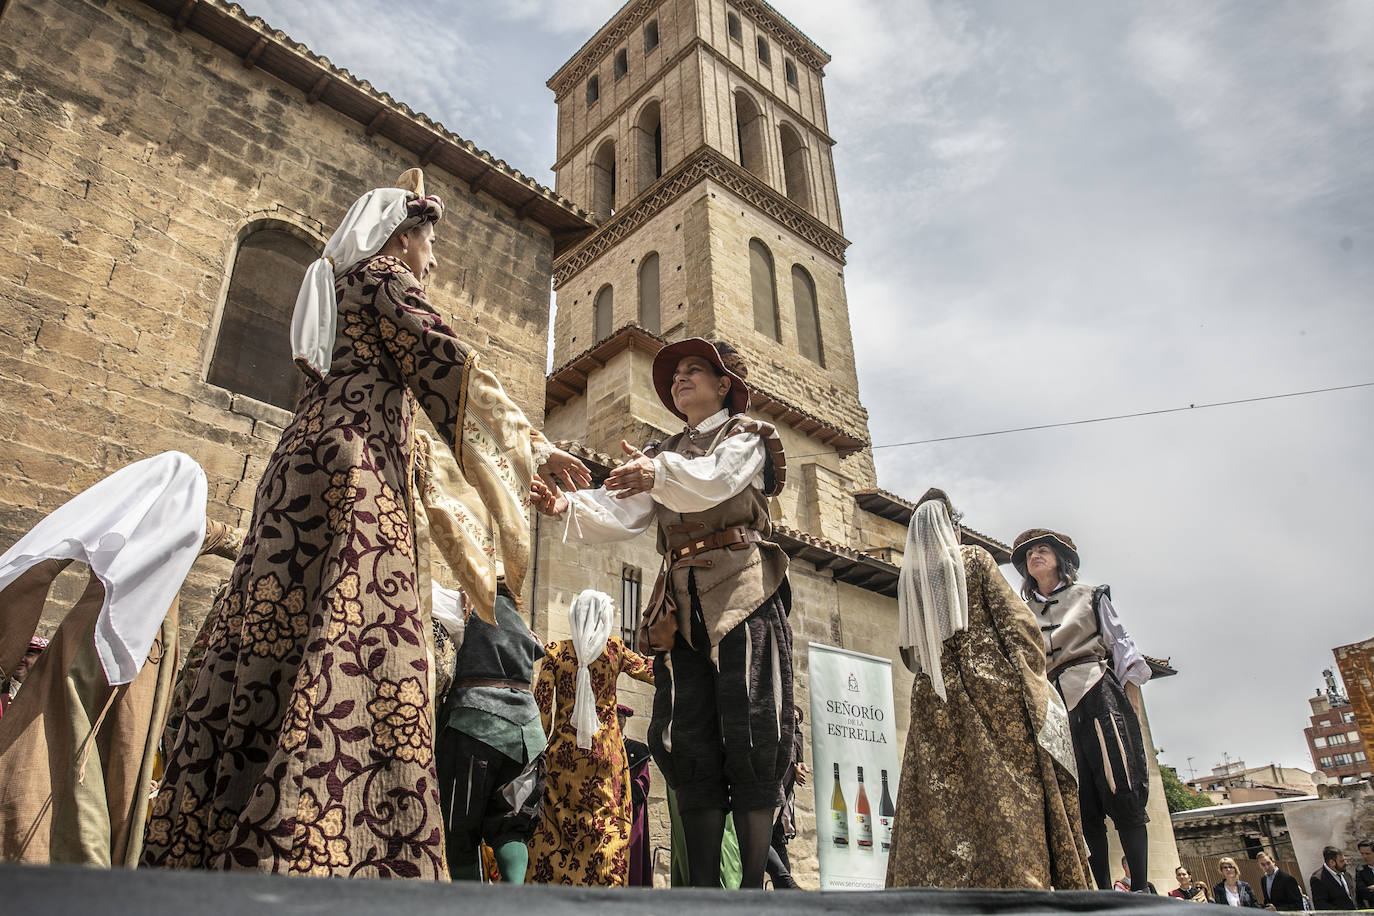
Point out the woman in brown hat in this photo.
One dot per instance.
(1088, 657)
(718, 617)
(987, 796)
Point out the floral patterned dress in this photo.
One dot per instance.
(307, 741)
(983, 802)
(583, 834)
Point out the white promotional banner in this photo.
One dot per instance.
(855, 758)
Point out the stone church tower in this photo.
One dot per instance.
(696, 130)
(696, 133)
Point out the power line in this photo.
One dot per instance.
(1123, 416)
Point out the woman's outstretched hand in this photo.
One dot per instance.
(634, 476)
(547, 500)
(565, 469)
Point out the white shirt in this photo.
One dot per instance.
(681, 484)
(1233, 896)
(1127, 661)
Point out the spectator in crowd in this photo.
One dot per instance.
(1281, 890)
(1230, 890)
(1123, 883)
(1188, 889)
(1331, 889)
(1364, 876)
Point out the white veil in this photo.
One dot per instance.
(932, 591)
(590, 619)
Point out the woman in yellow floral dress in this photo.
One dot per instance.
(583, 834)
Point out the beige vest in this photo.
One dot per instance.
(730, 584)
(1076, 656)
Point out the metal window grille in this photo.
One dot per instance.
(630, 586)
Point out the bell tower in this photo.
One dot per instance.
(696, 132)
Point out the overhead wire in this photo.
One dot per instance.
(1122, 416)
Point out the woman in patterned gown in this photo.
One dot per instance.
(307, 744)
(583, 834)
(987, 796)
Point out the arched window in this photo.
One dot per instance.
(794, 166)
(749, 134)
(650, 35)
(764, 288)
(808, 315)
(789, 71)
(732, 26)
(603, 180)
(252, 353)
(622, 63)
(764, 57)
(602, 316)
(593, 90)
(649, 141)
(649, 312)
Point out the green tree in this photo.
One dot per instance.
(1178, 795)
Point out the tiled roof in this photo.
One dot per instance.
(894, 508)
(257, 44)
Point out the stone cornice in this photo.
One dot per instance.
(650, 82)
(785, 33)
(632, 14)
(599, 45)
(706, 163)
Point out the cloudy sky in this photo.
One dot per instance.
(1059, 211)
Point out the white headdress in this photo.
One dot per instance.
(366, 226)
(932, 591)
(590, 619)
(139, 530)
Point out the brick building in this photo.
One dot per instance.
(1333, 738)
(1356, 664)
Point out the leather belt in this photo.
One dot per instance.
(491, 682)
(1053, 674)
(736, 537)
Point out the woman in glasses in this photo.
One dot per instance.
(1230, 890)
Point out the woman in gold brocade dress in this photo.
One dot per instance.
(987, 796)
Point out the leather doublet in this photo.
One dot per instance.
(730, 582)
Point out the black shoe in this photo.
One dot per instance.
(785, 882)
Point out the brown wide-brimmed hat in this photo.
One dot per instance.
(1032, 536)
(724, 357)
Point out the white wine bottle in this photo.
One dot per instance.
(839, 814)
(863, 815)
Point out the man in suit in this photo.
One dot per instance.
(1364, 876)
(1279, 890)
(1331, 889)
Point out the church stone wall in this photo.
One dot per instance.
(131, 157)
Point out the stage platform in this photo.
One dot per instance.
(71, 891)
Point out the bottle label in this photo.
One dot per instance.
(839, 827)
(885, 832)
(865, 823)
